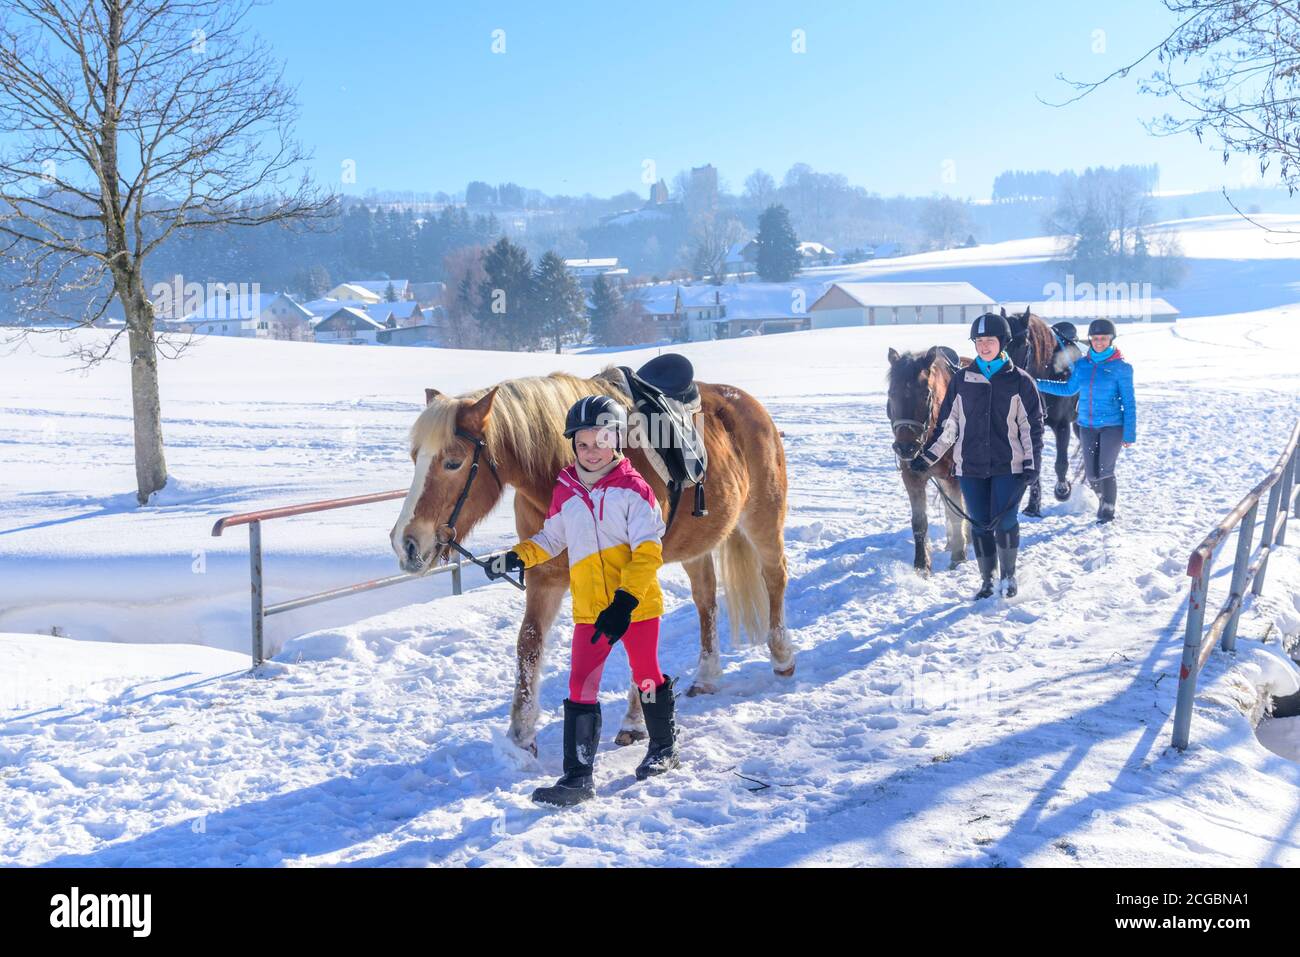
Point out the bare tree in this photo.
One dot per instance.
(465, 274)
(714, 236)
(134, 120)
(1234, 66)
(944, 221)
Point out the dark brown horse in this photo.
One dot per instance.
(1044, 354)
(918, 383)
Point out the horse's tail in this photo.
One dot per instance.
(746, 589)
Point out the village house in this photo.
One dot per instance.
(259, 315)
(349, 326)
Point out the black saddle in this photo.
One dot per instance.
(664, 392)
(670, 373)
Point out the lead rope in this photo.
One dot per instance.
(450, 540)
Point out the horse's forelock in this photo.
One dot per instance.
(526, 419)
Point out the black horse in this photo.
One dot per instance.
(1049, 352)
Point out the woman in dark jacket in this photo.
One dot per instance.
(992, 419)
(1107, 411)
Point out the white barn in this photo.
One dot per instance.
(1083, 311)
(898, 303)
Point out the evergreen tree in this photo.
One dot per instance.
(560, 305)
(390, 293)
(506, 297)
(606, 304)
(778, 247)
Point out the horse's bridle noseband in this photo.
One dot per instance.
(922, 429)
(450, 540)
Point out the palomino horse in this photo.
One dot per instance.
(517, 426)
(1040, 352)
(918, 383)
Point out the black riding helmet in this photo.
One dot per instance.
(1101, 327)
(597, 412)
(991, 324)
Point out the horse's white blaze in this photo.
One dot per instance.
(422, 462)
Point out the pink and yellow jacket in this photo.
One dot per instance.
(614, 534)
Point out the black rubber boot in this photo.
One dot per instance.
(581, 738)
(986, 556)
(1008, 547)
(1108, 491)
(661, 724)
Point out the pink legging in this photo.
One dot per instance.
(588, 661)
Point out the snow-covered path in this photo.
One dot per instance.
(919, 729)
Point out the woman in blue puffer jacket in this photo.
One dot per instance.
(1107, 411)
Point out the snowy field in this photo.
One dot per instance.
(920, 729)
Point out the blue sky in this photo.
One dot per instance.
(900, 97)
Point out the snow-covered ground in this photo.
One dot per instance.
(919, 729)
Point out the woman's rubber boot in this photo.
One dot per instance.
(987, 558)
(1109, 492)
(661, 724)
(581, 738)
(1008, 546)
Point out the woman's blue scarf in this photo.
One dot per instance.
(1096, 356)
(991, 367)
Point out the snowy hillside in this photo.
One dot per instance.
(1232, 266)
(919, 729)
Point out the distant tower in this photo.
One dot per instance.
(703, 196)
(658, 194)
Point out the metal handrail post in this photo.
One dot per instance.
(255, 576)
(1245, 538)
(1188, 673)
(1295, 472)
(1288, 480)
(1266, 537)
(455, 575)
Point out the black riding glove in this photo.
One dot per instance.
(615, 620)
(503, 565)
(1030, 475)
(918, 464)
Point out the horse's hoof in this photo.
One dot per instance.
(699, 688)
(787, 673)
(628, 736)
(923, 570)
(1034, 511)
(1062, 491)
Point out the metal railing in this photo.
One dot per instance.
(1198, 643)
(260, 610)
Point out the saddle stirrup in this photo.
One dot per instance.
(700, 509)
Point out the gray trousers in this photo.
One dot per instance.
(1100, 450)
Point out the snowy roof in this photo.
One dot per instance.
(351, 291)
(380, 286)
(815, 249)
(769, 300)
(320, 308)
(1105, 308)
(656, 299)
(232, 305)
(591, 263)
(696, 296)
(736, 252)
(357, 316)
(380, 311)
(887, 294)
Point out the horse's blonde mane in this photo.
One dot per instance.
(526, 424)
